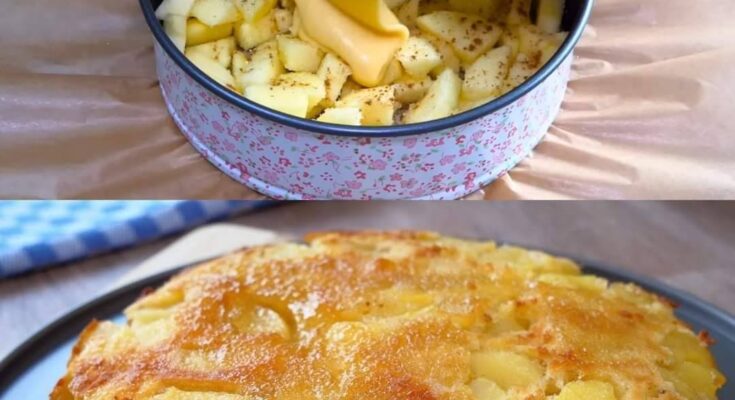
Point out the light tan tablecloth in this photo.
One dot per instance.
(650, 112)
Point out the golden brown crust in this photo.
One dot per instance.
(389, 315)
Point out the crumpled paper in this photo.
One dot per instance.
(650, 111)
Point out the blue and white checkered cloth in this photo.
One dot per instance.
(38, 234)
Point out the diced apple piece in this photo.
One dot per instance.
(484, 389)
(334, 72)
(393, 72)
(469, 35)
(213, 69)
(376, 104)
(252, 34)
(549, 15)
(486, 76)
(342, 116)
(181, 8)
(449, 57)
(264, 67)
(198, 33)
(220, 50)
(312, 84)
(418, 57)
(239, 63)
(695, 380)
(530, 42)
(253, 10)
(586, 390)
(298, 55)
(510, 38)
(685, 346)
(286, 100)
(440, 101)
(239, 66)
(506, 369)
(215, 12)
(175, 28)
(521, 70)
(410, 90)
(284, 19)
(538, 46)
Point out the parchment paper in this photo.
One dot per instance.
(650, 112)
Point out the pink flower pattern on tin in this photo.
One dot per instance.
(288, 163)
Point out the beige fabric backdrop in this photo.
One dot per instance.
(649, 112)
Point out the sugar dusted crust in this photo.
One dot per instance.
(391, 315)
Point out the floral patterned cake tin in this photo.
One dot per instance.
(286, 157)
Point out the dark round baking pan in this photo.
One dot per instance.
(32, 370)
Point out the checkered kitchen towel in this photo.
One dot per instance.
(38, 234)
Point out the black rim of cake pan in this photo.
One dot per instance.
(71, 324)
(575, 33)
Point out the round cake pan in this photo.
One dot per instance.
(291, 158)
